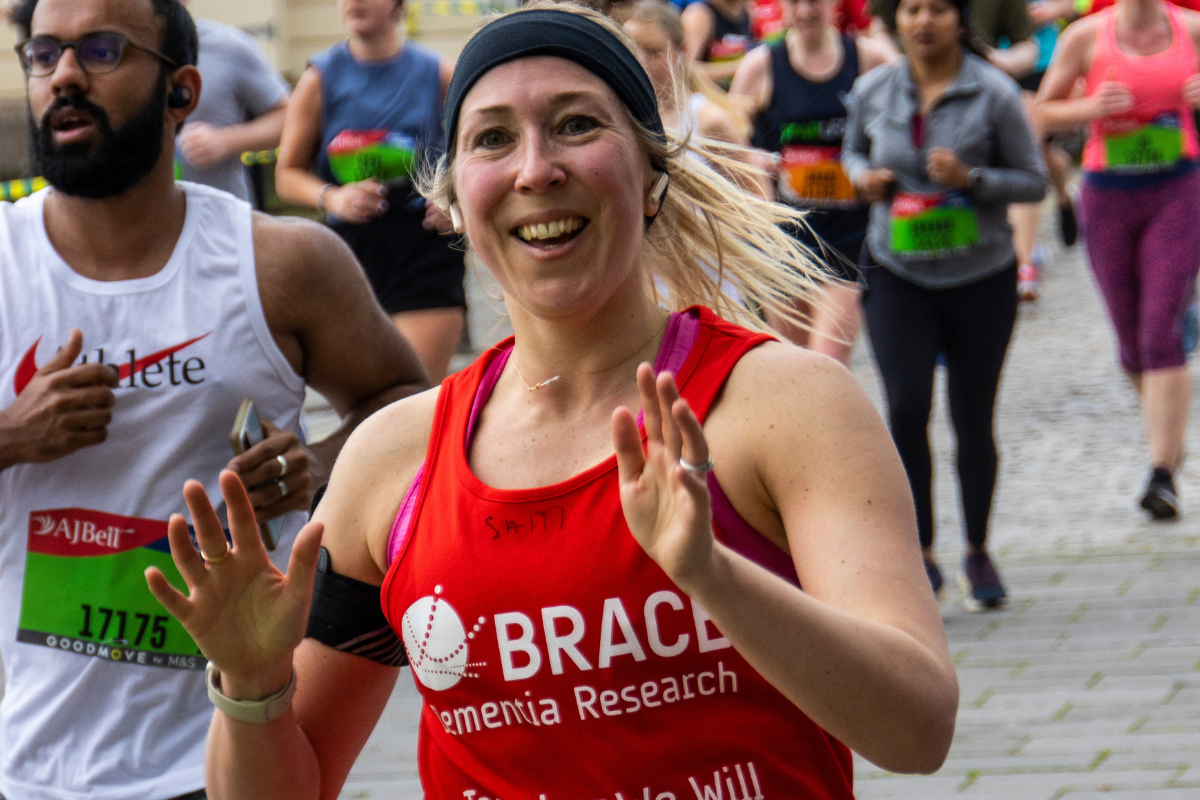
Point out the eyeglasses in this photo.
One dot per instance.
(97, 53)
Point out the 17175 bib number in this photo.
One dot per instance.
(85, 590)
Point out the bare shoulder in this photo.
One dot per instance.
(308, 85)
(872, 53)
(292, 243)
(1079, 34)
(781, 400)
(794, 375)
(698, 17)
(752, 80)
(1192, 20)
(753, 70)
(373, 472)
(296, 257)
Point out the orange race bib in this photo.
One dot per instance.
(813, 175)
(810, 169)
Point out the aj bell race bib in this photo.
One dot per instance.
(383, 155)
(810, 170)
(85, 589)
(1154, 147)
(932, 225)
(729, 47)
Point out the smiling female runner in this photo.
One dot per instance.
(579, 623)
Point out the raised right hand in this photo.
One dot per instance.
(246, 616)
(358, 202)
(62, 409)
(874, 185)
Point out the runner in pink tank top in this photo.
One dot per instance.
(1140, 198)
(587, 610)
(1158, 131)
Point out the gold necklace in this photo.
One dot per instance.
(561, 375)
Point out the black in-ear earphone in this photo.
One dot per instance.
(179, 97)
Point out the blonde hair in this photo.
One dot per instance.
(666, 18)
(709, 232)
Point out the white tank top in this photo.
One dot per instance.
(104, 692)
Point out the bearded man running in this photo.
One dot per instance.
(136, 313)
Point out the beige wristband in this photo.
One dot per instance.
(258, 712)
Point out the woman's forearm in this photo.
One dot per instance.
(297, 186)
(245, 761)
(874, 687)
(1064, 115)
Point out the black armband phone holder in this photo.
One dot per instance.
(346, 615)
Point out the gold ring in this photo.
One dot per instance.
(212, 560)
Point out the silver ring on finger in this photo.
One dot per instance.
(699, 470)
(283, 490)
(212, 560)
(283, 465)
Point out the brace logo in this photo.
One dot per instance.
(437, 642)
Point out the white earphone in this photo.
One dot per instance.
(456, 218)
(660, 189)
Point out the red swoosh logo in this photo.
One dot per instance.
(28, 366)
(123, 371)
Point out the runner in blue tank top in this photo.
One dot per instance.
(364, 115)
(796, 89)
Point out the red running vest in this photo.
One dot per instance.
(557, 661)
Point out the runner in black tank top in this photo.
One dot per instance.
(802, 119)
(804, 123)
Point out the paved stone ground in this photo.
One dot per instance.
(1089, 686)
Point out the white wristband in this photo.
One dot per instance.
(258, 712)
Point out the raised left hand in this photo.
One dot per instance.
(273, 490)
(203, 145)
(944, 167)
(667, 507)
(1191, 91)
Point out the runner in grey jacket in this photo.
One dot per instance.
(980, 118)
(938, 143)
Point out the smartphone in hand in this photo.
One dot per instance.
(247, 432)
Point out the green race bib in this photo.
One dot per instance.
(1155, 147)
(382, 155)
(85, 591)
(932, 225)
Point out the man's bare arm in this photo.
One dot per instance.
(324, 318)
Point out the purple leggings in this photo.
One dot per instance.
(1144, 245)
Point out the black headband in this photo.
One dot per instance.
(550, 32)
